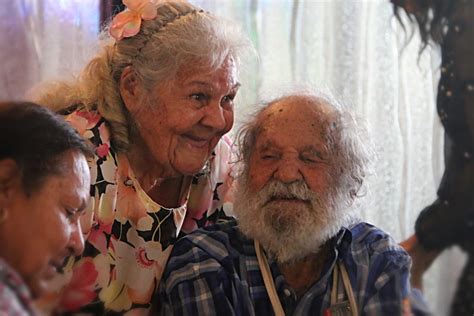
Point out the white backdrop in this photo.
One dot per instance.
(354, 48)
(43, 39)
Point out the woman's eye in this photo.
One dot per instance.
(227, 101)
(198, 96)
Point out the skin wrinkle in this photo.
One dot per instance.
(303, 164)
(189, 122)
(286, 236)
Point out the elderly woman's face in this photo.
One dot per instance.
(43, 228)
(187, 116)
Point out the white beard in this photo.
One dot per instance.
(288, 231)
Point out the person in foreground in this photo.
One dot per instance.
(44, 188)
(449, 220)
(155, 103)
(297, 247)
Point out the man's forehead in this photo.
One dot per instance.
(295, 112)
(302, 127)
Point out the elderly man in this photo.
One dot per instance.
(296, 248)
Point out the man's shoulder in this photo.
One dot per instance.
(204, 252)
(218, 241)
(376, 242)
(371, 235)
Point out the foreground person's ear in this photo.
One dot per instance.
(9, 175)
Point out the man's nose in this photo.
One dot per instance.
(288, 171)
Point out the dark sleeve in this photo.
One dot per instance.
(450, 219)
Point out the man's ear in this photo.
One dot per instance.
(9, 179)
(130, 88)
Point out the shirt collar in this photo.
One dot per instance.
(341, 242)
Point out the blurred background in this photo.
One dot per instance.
(354, 48)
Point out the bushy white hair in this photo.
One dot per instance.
(350, 154)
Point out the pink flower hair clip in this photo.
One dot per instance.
(127, 23)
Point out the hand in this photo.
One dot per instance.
(421, 260)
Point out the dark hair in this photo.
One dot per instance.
(36, 138)
(431, 16)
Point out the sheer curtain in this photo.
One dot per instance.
(357, 50)
(42, 40)
(354, 48)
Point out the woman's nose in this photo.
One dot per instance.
(214, 117)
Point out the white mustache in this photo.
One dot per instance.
(278, 190)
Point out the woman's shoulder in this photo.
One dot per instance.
(93, 127)
(84, 120)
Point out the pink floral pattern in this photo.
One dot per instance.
(127, 23)
(83, 282)
(131, 236)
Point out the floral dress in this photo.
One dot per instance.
(130, 236)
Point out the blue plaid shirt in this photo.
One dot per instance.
(214, 271)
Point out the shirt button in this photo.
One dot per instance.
(287, 292)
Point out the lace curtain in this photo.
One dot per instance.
(354, 48)
(42, 40)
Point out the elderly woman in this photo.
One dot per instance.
(155, 103)
(44, 186)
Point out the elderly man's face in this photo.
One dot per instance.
(285, 198)
(290, 148)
